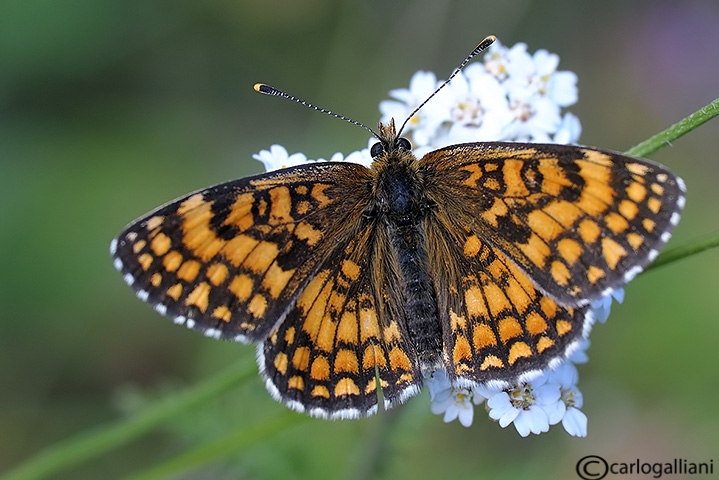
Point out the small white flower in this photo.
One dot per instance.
(476, 107)
(495, 60)
(574, 421)
(461, 409)
(569, 130)
(535, 121)
(528, 406)
(602, 307)
(454, 402)
(276, 157)
(533, 406)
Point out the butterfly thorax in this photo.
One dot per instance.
(400, 207)
(397, 192)
(397, 183)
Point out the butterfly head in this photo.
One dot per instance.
(389, 141)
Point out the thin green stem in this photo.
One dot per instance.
(692, 247)
(233, 443)
(682, 127)
(102, 439)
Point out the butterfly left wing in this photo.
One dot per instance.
(286, 258)
(231, 259)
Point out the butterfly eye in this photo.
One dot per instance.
(376, 150)
(404, 143)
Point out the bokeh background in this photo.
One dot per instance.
(109, 108)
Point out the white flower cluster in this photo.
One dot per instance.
(510, 96)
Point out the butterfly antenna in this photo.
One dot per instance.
(478, 49)
(268, 90)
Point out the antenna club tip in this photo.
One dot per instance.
(261, 87)
(487, 42)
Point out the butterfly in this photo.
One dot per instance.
(478, 259)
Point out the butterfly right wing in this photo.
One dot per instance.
(578, 221)
(531, 234)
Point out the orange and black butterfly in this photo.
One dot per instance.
(480, 259)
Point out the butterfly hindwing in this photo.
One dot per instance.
(230, 260)
(497, 326)
(345, 335)
(578, 221)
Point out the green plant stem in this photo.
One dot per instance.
(682, 127)
(691, 247)
(102, 439)
(233, 442)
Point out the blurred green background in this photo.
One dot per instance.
(109, 108)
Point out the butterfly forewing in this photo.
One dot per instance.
(231, 259)
(578, 221)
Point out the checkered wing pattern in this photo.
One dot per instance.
(231, 259)
(497, 325)
(285, 258)
(519, 239)
(524, 237)
(346, 333)
(579, 222)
